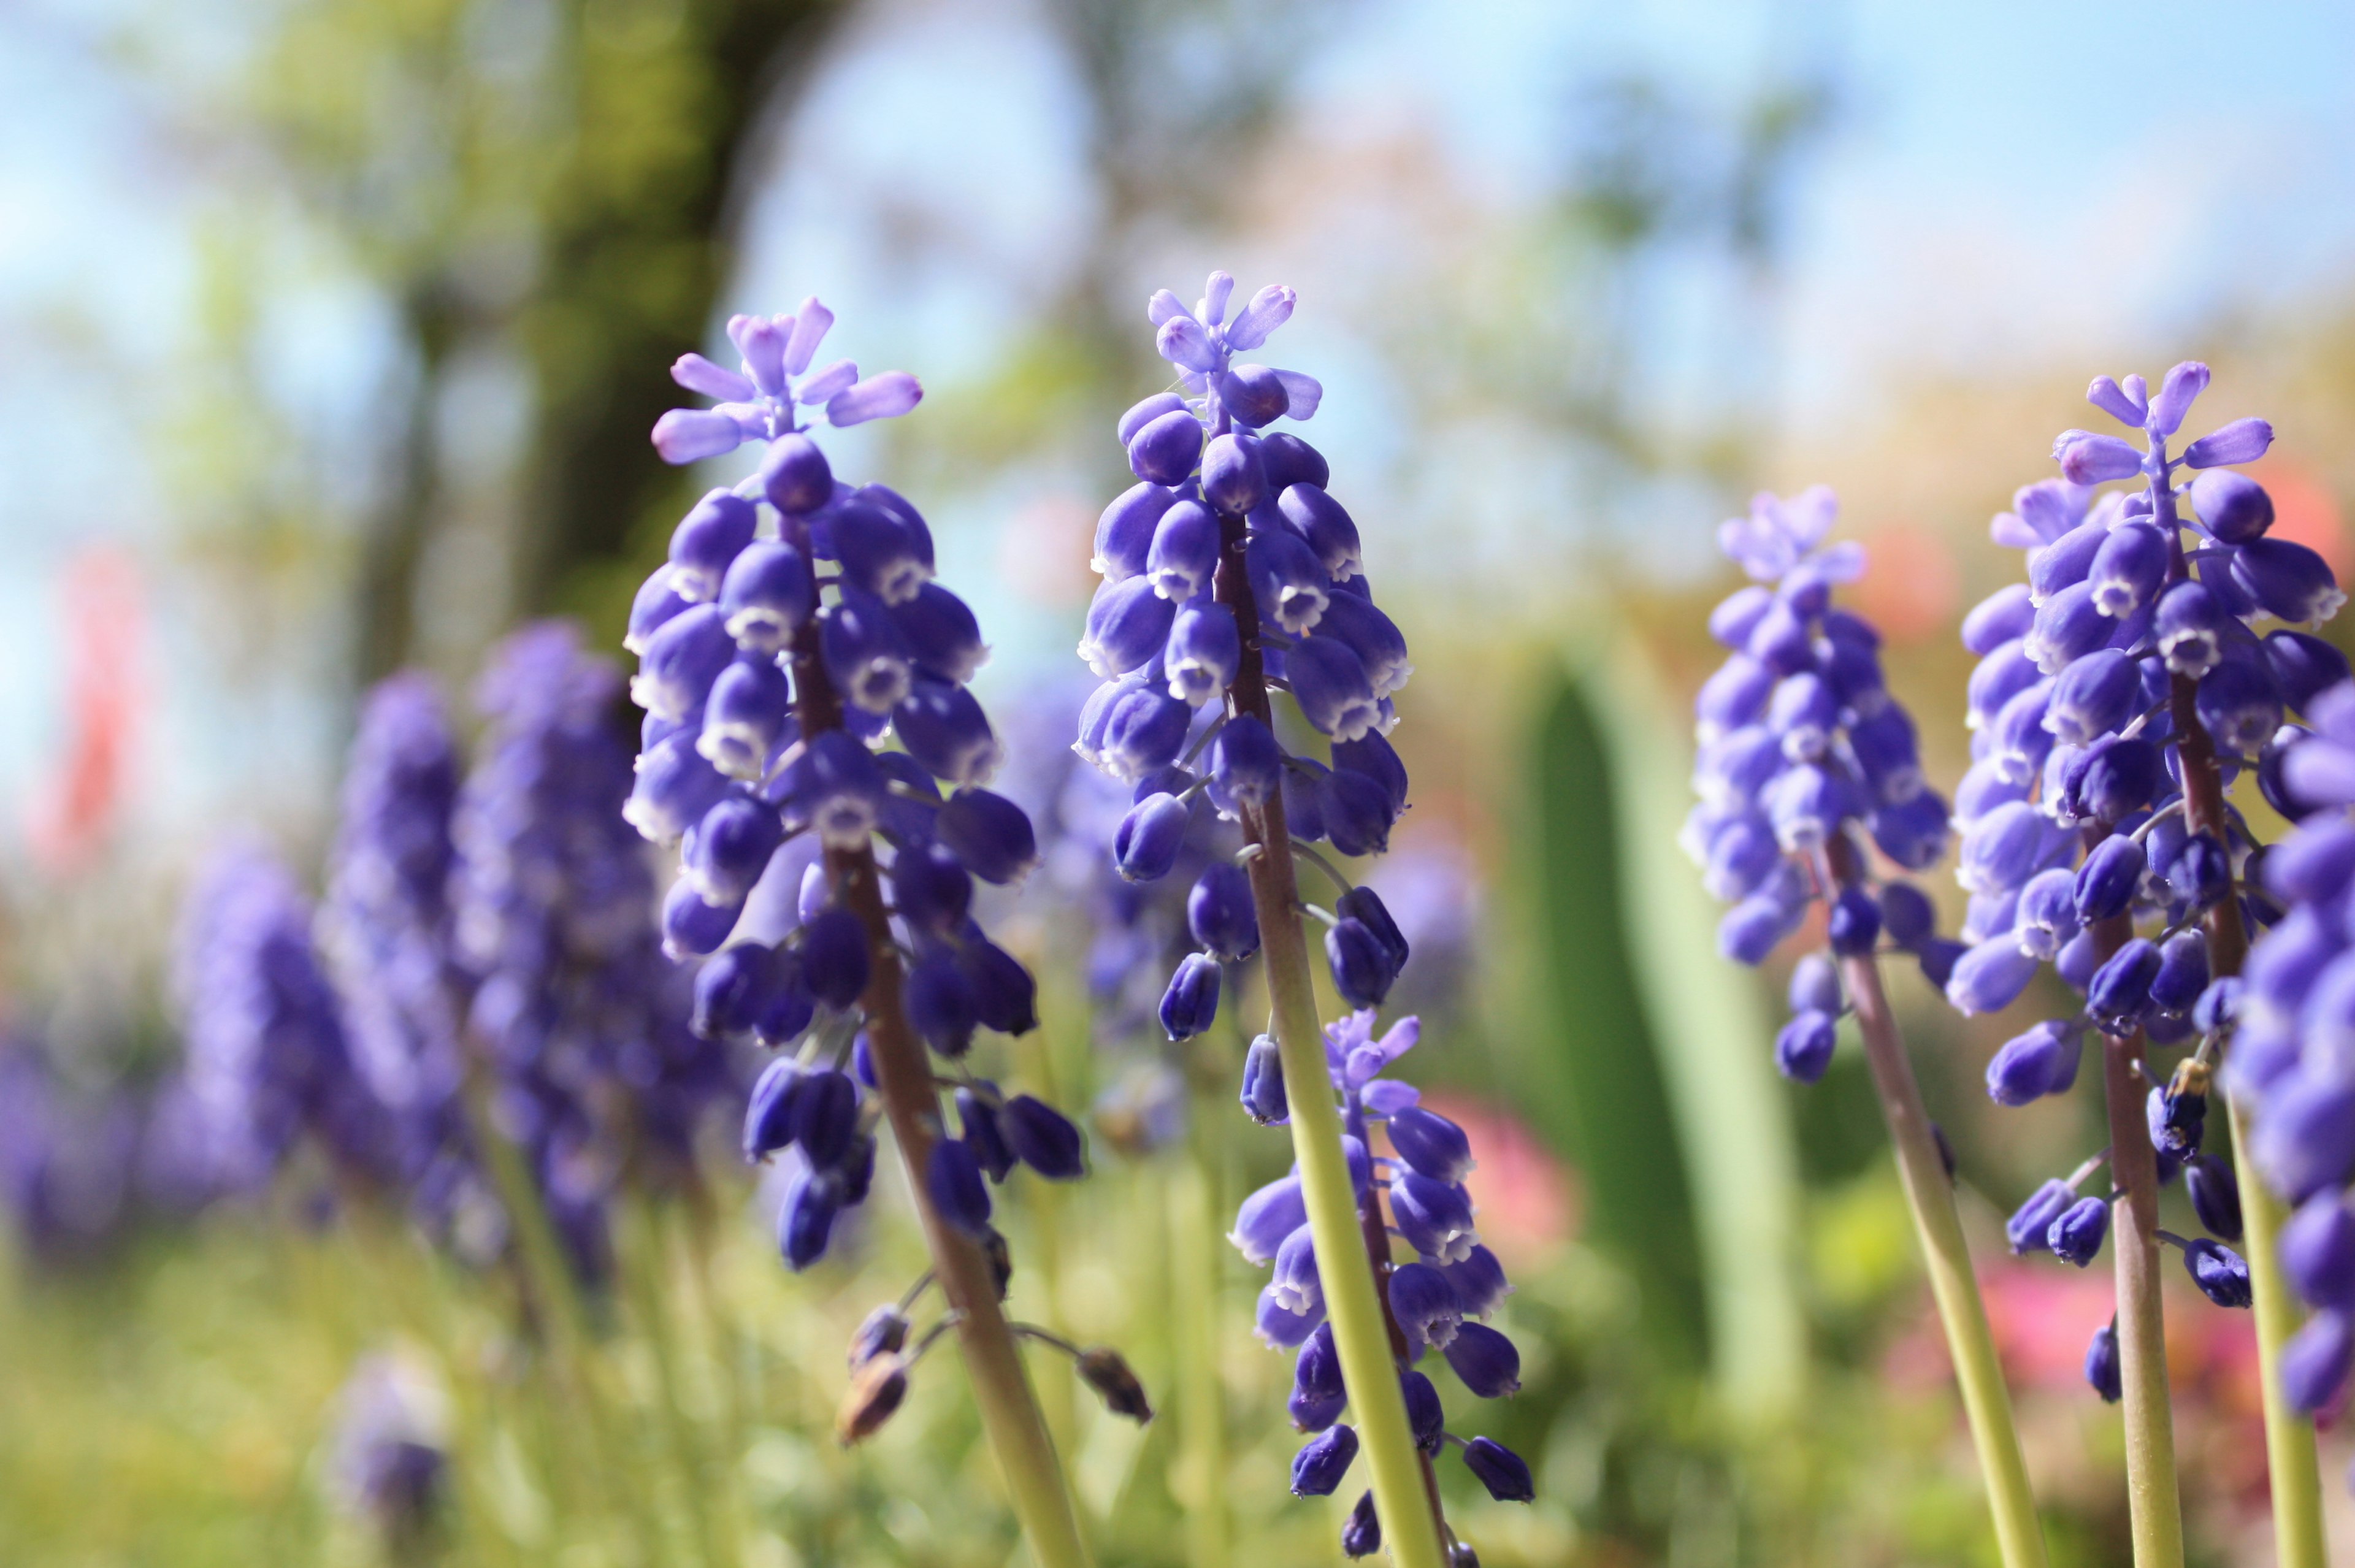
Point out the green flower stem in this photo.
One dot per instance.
(1930, 1194)
(2154, 1512)
(1010, 1416)
(1361, 1329)
(2291, 1469)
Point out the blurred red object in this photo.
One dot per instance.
(1522, 1195)
(2305, 512)
(102, 624)
(1911, 588)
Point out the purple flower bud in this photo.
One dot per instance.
(2031, 1224)
(2066, 561)
(2067, 626)
(1736, 695)
(1296, 1284)
(690, 435)
(1232, 479)
(1435, 1217)
(2089, 459)
(1263, 1083)
(1220, 913)
(864, 655)
(2106, 395)
(2315, 1362)
(1324, 526)
(1989, 977)
(2018, 741)
(769, 1115)
(2120, 993)
(1816, 986)
(1283, 1329)
(930, 889)
(1145, 846)
(882, 397)
(1246, 764)
(1332, 688)
(1502, 1471)
(1318, 1467)
(1125, 532)
(1431, 1144)
(2076, 1236)
(805, 1218)
(690, 925)
(1044, 1138)
(2233, 508)
(1144, 731)
(766, 596)
(1267, 1216)
(833, 957)
(1192, 1003)
(2318, 1250)
(2113, 778)
(1938, 957)
(946, 733)
(1254, 394)
(2287, 580)
(826, 1116)
(1290, 461)
(2001, 617)
(730, 848)
(2305, 1140)
(1913, 833)
(2002, 675)
(2106, 882)
(2199, 874)
(1426, 1419)
(794, 475)
(1183, 554)
(2184, 383)
(954, 1181)
(1374, 636)
(1316, 1373)
(1287, 580)
(1909, 916)
(2238, 705)
(2041, 1061)
(657, 602)
(1269, 309)
(1804, 1048)
(2101, 1366)
(2005, 848)
(746, 712)
(989, 833)
(2191, 627)
(1127, 625)
(1739, 614)
(1204, 653)
(1163, 451)
(1361, 964)
(1424, 1304)
(683, 658)
(1748, 931)
(2045, 919)
(2303, 667)
(2243, 440)
(712, 534)
(1145, 410)
(2222, 1274)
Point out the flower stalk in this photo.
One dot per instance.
(1010, 1413)
(1361, 1331)
(2292, 1470)
(1930, 1197)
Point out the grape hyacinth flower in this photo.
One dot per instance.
(2289, 1062)
(390, 1470)
(270, 1062)
(812, 747)
(1804, 758)
(2121, 691)
(1230, 571)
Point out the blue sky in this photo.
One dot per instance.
(2004, 182)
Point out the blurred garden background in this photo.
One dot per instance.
(331, 332)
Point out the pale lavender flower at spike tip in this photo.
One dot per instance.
(761, 401)
(2171, 578)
